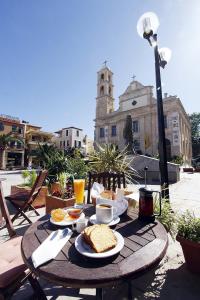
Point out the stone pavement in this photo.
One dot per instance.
(170, 280)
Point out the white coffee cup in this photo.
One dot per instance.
(105, 213)
(80, 225)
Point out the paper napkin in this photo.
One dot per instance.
(50, 248)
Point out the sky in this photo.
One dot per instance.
(51, 50)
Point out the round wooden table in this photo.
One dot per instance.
(145, 246)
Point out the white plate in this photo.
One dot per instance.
(115, 221)
(121, 205)
(65, 222)
(86, 250)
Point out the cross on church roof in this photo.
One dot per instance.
(105, 62)
(133, 76)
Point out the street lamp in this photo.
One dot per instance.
(147, 27)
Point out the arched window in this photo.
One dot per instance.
(102, 76)
(101, 91)
(109, 91)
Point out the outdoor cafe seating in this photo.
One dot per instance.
(73, 262)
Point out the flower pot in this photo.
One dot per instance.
(191, 251)
(53, 202)
(39, 201)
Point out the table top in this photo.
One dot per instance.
(145, 246)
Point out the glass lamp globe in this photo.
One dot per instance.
(147, 24)
(165, 54)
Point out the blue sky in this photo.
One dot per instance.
(50, 52)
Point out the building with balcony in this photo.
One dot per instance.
(12, 142)
(34, 137)
(138, 102)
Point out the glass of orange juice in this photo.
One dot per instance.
(79, 186)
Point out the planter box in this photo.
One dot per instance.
(40, 200)
(53, 202)
(191, 251)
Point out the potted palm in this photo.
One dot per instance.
(63, 172)
(188, 236)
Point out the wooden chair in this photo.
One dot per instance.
(13, 271)
(110, 181)
(23, 202)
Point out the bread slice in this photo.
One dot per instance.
(100, 238)
(87, 231)
(108, 195)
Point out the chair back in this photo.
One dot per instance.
(37, 185)
(5, 213)
(109, 180)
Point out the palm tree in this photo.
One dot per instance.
(5, 140)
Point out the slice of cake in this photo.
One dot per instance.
(100, 238)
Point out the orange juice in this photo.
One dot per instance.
(79, 185)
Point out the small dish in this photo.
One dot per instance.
(74, 212)
(93, 220)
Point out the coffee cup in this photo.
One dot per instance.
(105, 213)
(80, 225)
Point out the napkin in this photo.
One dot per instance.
(51, 246)
(96, 189)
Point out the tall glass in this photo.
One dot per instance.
(79, 187)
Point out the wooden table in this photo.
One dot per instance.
(145, 246)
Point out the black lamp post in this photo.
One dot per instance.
(147, 27)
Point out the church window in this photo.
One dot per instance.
(79, 144)
(102, 132)
(77, 133)
(66, 132)
(102, 76)
(135, 126)
(101, 91)
(113, 130)
(108, 77)
(63, 144)
(109, 91)
(60, 144)
(67, 143)
(75, 144)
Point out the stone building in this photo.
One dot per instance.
(69, 137)
(73, 137)
(139, 102)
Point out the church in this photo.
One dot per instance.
(139, 102)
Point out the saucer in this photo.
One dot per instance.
(93, 220)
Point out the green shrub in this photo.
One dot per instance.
(168, 218)
(188, 227)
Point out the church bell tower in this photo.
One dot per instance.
(104, 100)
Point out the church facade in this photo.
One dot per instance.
(139, 102)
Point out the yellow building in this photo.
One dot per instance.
(35, 136)
(11, 142)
